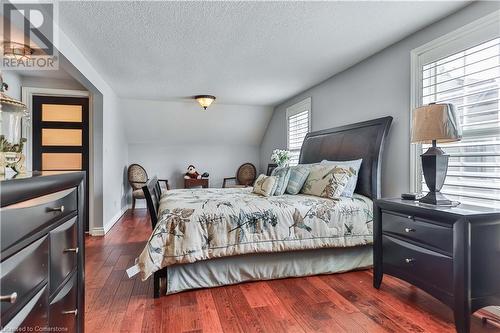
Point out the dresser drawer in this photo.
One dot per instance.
(424, 233)
(33, 315)
(22, 274)
(21, 220)
(63, 308)
(418, 265)
(63, 252)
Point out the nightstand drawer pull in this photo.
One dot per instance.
(57, 209)
(409, 260)
(9, 298)
(72, 312)
(409, 230)
(71, 250)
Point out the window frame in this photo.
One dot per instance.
(474, 33)
(299, 107)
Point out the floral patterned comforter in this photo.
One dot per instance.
(200, 224)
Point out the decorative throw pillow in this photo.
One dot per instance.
(328, 181)
(353, 180)
(264, 185)
(298, 176)
(282, 175)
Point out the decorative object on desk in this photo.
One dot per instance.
(205, 100)
(13, 117)
(270, 168)
(193, 174)
(435, 123)
(281, 157)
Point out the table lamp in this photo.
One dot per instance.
(435, 123)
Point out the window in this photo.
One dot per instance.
(298, 118)
(469, 77)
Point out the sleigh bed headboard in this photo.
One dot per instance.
(360, 140)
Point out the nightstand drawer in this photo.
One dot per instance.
(63, 252)
(418, 265)
(411, 228)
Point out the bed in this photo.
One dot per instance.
(212, 237)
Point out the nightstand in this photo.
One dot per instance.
(451, 253)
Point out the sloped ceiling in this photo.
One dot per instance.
(163, 123)
(252, 53)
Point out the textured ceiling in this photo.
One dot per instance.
(256, 53)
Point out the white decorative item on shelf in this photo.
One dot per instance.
(281, 157)
(12, 113)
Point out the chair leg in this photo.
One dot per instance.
(133, 203)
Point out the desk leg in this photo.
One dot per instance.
(461, 273)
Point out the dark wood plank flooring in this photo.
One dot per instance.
(329, 303)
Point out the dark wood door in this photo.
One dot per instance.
(61, 136)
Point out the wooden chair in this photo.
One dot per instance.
(245, 176)
(137, 178)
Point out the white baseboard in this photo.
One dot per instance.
(101, 231)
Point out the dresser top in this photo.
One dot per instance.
(461, 209)
(31, 185)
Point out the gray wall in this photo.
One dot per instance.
(167, 136)
(376, 87)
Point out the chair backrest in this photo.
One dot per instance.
(246, 174)
(137, 176)
(152, 193)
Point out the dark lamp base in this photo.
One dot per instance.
(435, 198)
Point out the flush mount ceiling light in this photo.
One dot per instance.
(17, 51)
(205, 100)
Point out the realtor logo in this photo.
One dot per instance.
(28, 36)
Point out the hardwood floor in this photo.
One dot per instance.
(328, 303)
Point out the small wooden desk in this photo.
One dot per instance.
(189, 183)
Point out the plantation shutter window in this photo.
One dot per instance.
(298, 124)
(470, 79)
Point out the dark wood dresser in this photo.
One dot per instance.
(451, 253)
(42, 253)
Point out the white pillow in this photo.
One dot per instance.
(264, 185)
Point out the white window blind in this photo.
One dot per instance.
(470, 79)
(298, 124)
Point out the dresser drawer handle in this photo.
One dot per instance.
(12, 298)
(409, 260)
(57, 209)
(409, 230)
(73, 312)
(75, 249)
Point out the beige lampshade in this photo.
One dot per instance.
(435, 122)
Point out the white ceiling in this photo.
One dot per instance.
(255, 53)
